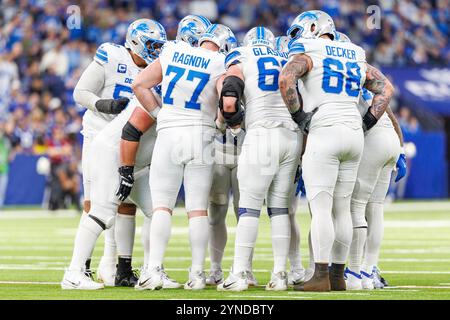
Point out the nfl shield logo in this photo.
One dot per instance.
(122, 68)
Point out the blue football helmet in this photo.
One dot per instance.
(312, 24)
(191, 28)
(145, 38)
(259, 36)
(222, 36)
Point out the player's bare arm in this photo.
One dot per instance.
(230, 97)
(382, 89)
(396, 124)
(144, 81)
(297, 66)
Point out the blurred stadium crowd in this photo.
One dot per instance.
(41, 59)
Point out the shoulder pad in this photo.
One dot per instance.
(108, 52)
(299, 46)
(234, 57)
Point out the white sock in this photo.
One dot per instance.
(84, 216)
(87, 234)
(322, 228)
(125, 229)
(198, 238)
(160, 231)
(357, 249)
(218, 234)
(343, 227)
(281, 235)
(145, 237)
(246, 233)
(311, 264)
(110, 249)
(374, 214)
(294, 245)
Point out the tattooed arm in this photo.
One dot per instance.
(396, 125)
(382, 88)
(297, 66)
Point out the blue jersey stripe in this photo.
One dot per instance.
(297, 48)
(101, 57)
(103, 52)
(263, 35)
(231, 56)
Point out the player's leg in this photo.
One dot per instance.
(141, 196)
(218, 207)
(198, 174)
(278, 202)
(255, 172)
(86, 188)
(166, 174)
(372, 160)
(320, 170)
(251, 279)
(297, 272)
(348, 169)
(375, 221)
(101, 216)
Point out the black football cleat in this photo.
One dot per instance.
(126, 279)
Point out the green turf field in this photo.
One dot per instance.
(35, 247)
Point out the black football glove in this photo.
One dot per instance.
(126, 182)
(303, 119)
(112, 106)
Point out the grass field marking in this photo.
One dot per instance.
(29, 282)
(420, 287)
(268, 296)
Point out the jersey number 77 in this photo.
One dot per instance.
(191, 75)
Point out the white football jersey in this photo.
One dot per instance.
(335, 81)
(111, 134)
(120, 71)
(188, 87)
(261, 67)
(365, 101)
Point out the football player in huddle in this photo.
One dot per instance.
(103, 89)
(334, 74)
(185, 122)
(382, 153)
(270, 152)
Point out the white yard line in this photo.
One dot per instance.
(268, 296)
(28, 282)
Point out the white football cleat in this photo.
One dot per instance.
(367, 280)
(106, 272)
(169, 283)
(251, 280)
(296, 277)
(197, 281)
(150, 279)
(77, 280)
(278, 282)
(234, 282)
(215, 277)
(353, 280)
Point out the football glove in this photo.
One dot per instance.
(112, 106)
(303, 119)
(126, 182)
(401, 167)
